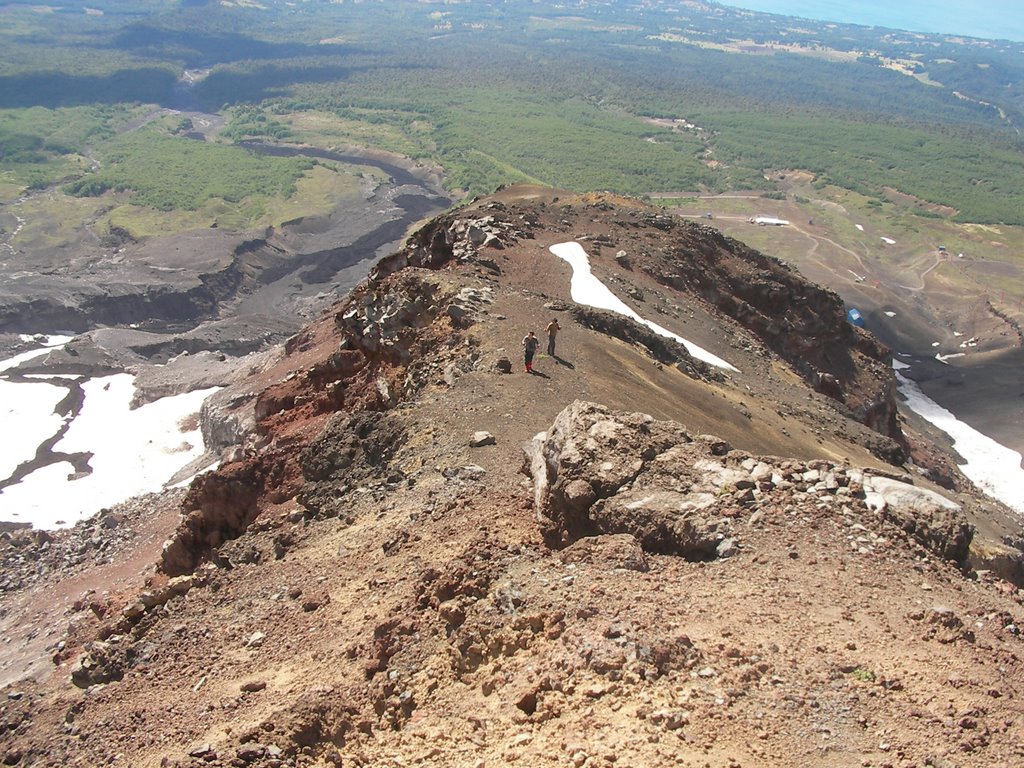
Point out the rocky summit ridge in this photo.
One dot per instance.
(414, 553)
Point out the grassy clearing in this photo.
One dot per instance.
(318, 192)
(54, 220)
(10, 188)
(364, 128)
(173, 173)
(144, 222)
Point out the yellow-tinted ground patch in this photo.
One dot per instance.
(144, 222)
(54, 219)
(319, 191)
(9, 189)
(324, 129)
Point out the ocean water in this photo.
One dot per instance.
(992, 19)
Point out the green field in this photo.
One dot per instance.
(40, 146)
(171, 173)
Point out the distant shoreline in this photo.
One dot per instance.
(995, 20)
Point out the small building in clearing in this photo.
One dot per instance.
(768, 221)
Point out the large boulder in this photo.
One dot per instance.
(597, 473)
(931, 518)
(600, 472)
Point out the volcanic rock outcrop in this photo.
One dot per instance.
(597, 473)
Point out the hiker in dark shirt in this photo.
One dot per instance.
(530, 343)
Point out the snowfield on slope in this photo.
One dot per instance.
(586, 289)
(133, 450)
(993, 467)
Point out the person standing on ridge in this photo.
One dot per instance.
(530, 343)
(553, 329)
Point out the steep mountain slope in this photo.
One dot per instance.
(415, 553)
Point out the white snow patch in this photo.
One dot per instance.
(890, 314)
(134, 451)
(46, 339)
(859, 226)
(943, 358)
(27, 419)
(26, 413)
(587, 289)
(888, 240)
(935, 343)
(993, 467)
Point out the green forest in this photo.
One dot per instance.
(169, 174)
(496, 93)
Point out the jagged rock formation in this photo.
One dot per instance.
(802, 322)
(598, 473)
(663, 349)
(388, 339)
